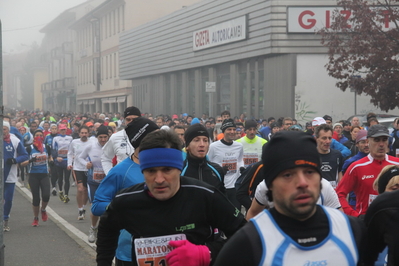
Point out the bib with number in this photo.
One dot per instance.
(152, 251)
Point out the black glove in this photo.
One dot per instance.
(11, 161)
(33, 159)
(225, 169)
(242, 169)
(51, 163)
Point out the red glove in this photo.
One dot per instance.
(188, 254)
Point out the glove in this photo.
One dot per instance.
(33, 159)
(242, 169)
(225, 169)
(51, 163)
(11, 161)
(188, 254)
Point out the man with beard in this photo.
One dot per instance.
(296, 231)
(79, 169)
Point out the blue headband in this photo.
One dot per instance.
(161, 157)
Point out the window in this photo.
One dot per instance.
(118, 19)
(105, 27)
(106, 66)
(110, 66)
(115, 65)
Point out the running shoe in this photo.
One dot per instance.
(6, 228)
(44, 216)
(61, 195)
(81, 215)
(73, 184)
(54, 191)
(35, 222)
(92, 234)
(66, 199)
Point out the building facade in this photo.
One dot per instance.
(98, 82)
(257, 57)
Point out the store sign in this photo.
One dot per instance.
(313, 19)
(226, 32)
(210, 86)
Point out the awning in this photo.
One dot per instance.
(121, 99)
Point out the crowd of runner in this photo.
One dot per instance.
(243, 165)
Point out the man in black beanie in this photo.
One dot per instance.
(229, 155)
(196, 164)
(296, 231)
(118, 143)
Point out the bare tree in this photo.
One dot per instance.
(363, 47)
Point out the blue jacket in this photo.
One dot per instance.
(338, 146)
(15, 150)
(125, 174)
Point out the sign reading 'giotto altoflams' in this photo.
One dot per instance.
(226, 32)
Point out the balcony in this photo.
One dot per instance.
(46, 86)
(64, 84)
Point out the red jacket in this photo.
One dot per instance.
(359, 178)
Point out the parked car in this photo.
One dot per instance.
(384, 119)
(380, 117)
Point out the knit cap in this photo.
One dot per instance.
(250, 123)
(289, 149)
(138, 129)
(102, 130)
(195, 131)
(6, 124)
(227, 123)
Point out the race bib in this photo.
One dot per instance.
(152, 251)
(230, 164)
(62, 152)
(250, 158)
(98, 174)
(41, 159)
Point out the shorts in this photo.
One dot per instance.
(81, 177)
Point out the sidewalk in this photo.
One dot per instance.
(59, 241)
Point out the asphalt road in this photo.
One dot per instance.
(62, 240)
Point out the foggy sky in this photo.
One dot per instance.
(22, 19)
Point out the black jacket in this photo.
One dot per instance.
(195, 210)
(204, 170)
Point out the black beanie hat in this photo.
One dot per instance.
(383, 180)
(132, 110)
(227, 123)
(289, 149)
(138, 129)
(101, 130)
(195, 131)
(250, 123)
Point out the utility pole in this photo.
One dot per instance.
(1, 151)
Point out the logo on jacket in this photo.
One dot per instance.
(367, 177)
(185, 227)
(315, 263)
(9, 148)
